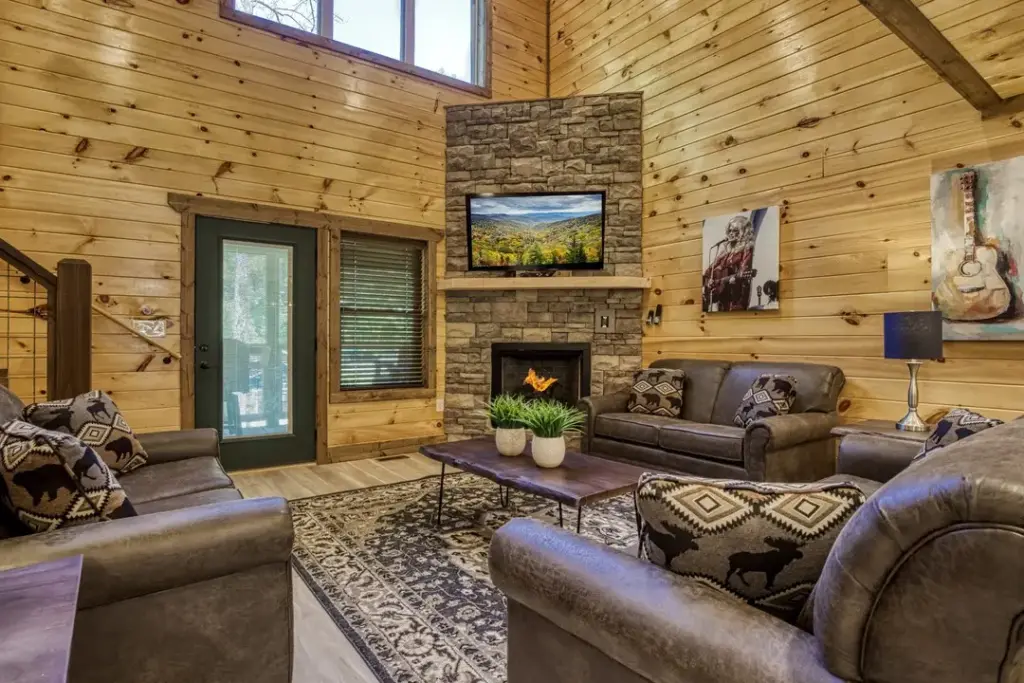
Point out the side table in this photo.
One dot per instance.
(875, 449)
(38, 604)
(886, 428)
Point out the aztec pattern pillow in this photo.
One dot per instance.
(657, 391)
(958, 423)
(763, 543)
(97, 422)
(768, 396)
(51, 480)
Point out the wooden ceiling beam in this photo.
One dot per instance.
(910, 25)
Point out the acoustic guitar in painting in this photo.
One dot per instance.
(971, 287)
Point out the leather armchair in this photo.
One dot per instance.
(922, 586)
(195, 589)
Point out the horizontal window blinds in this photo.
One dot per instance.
(382, 313)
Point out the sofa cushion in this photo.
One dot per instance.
(189, 500)
(768, 396)
(818, 387)
(657, 392)
(177, 478)
(95, 420)
(632, 427)
(721, 442)
(703, 379)
(957, 424)
(763, 543)
(52, 480)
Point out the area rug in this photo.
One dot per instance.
(416, 600)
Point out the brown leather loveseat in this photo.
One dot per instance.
(923, 585)
(196, 589)
(704, 441)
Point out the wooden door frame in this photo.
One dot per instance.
(190, 206)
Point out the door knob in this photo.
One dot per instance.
(204, 347)
(203, 365)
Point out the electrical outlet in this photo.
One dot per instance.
(604, 320)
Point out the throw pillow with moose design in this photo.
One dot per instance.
(95, 420)
(763, 543)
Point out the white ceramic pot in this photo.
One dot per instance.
(510, 441)
(548, 451)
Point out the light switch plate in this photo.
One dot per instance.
(440, 405)
(604, 320)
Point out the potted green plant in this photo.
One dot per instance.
(550, 421)
(506, 413)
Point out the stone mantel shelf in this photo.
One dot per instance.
(510, 283)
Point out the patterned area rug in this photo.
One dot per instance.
(416, 601)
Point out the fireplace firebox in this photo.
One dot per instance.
(557, 371)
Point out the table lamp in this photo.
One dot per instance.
(914, 336)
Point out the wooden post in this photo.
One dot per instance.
(69, 358)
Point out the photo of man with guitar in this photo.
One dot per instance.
(975, 230)
(741, 257)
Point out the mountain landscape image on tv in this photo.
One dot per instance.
(536, 231)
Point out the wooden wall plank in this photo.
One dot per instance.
(817, 108)
(107, 108)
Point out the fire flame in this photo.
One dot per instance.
(537, 382)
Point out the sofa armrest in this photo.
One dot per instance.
(164, 447)
(134, 556)
(592, 406)
(873, 456)
(652, 621)
(785, 431)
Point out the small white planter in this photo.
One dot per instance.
(510, 441)
(548, 451)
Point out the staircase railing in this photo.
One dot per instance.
(48, 317)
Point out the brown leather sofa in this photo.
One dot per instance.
(922, 586)
(705, 442)
(196, 589)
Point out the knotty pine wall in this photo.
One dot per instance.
(812, 105)
(105, 107)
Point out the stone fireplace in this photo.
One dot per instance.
(560, 372)
(588, 339)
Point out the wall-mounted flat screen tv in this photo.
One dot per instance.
(550, 230)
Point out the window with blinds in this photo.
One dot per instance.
(382, 313)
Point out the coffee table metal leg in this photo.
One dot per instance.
(440, 496)
(579, 514)
(560, 516)
(504, 495)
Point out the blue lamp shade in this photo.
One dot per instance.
(913, 335)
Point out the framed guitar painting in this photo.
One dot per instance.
(977, 244)
(740, 261)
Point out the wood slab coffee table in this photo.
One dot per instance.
(580, 479)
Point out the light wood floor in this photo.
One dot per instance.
(322, 653)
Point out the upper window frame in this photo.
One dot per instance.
(326, 9)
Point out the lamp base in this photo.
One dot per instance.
(912, 422)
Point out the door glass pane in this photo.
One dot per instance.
(444, 37)
(374, 26)
(300, 14)
(256, 339)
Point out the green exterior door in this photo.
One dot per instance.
(255, 340)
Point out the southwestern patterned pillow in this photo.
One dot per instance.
(657, 391)
(768, 396)
(97, 422)
(958, 423)
(53, 480)
(763, 543)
